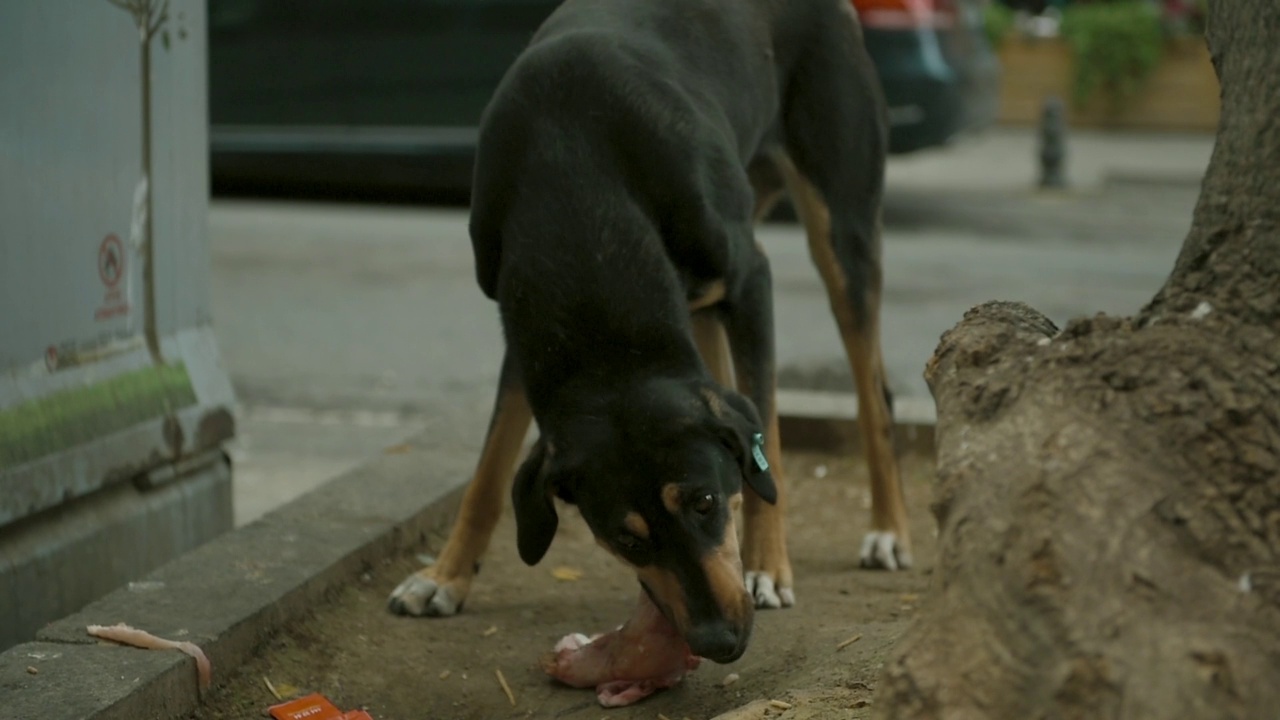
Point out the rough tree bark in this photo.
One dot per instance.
(1108, 496)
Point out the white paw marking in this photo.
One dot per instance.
(766, 593)
(419, 595)
(881, 550)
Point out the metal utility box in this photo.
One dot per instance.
(114, 405)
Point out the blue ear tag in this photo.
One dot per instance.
(757, 451)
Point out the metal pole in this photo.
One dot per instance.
(1053, 144)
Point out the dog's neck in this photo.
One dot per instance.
(635, 403)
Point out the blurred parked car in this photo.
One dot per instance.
(344, 96)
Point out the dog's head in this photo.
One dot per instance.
(657, 474)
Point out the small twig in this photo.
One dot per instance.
(272, 688)
(754, 710)
(161, 17)
(780, 704)
(506, 688)
(137, 10)
(848, 642)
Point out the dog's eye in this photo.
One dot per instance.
(705, 504)
(629, 541)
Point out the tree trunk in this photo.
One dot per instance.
(1108, 495)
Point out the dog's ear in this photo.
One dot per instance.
(737, 423)
(532, 495)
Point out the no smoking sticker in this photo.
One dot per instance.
(111, 269)
(111, 260)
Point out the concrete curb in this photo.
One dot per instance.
(1152, 179)
(232, 594)
(54, 563)
(828, 422)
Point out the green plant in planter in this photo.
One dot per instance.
(997, 21)
(1116, 46)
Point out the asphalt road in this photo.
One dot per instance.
(347, 328)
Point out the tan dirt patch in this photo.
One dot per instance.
(360, 656)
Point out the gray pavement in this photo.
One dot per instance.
(346, 329)
(285, 451)
(1004, 160)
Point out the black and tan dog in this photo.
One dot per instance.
(622, 164)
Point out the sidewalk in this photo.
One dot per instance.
(349, 328)
(968, 223)
(1007, 160)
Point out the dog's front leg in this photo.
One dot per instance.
(441, 589)
(748, 321)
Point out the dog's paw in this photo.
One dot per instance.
(882, 551)
(768, 593)
(422, 594)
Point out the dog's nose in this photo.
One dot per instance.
(717, 641)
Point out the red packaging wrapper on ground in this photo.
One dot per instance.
(314, 707)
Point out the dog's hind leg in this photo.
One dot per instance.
(768, 185)
(441, 589)
(857, 310)
(836, 141)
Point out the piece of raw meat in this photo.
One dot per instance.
(642, 656)
(127, 635)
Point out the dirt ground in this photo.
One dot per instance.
(360, 656)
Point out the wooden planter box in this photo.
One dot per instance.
(1180, 96)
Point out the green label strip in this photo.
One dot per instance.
(74, 417)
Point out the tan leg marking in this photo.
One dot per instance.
(713, 346)
(767, 183)
(636, 524)
(709, 295)
(862, 346)
(441, 588)
(485, 497)
(764, 535)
